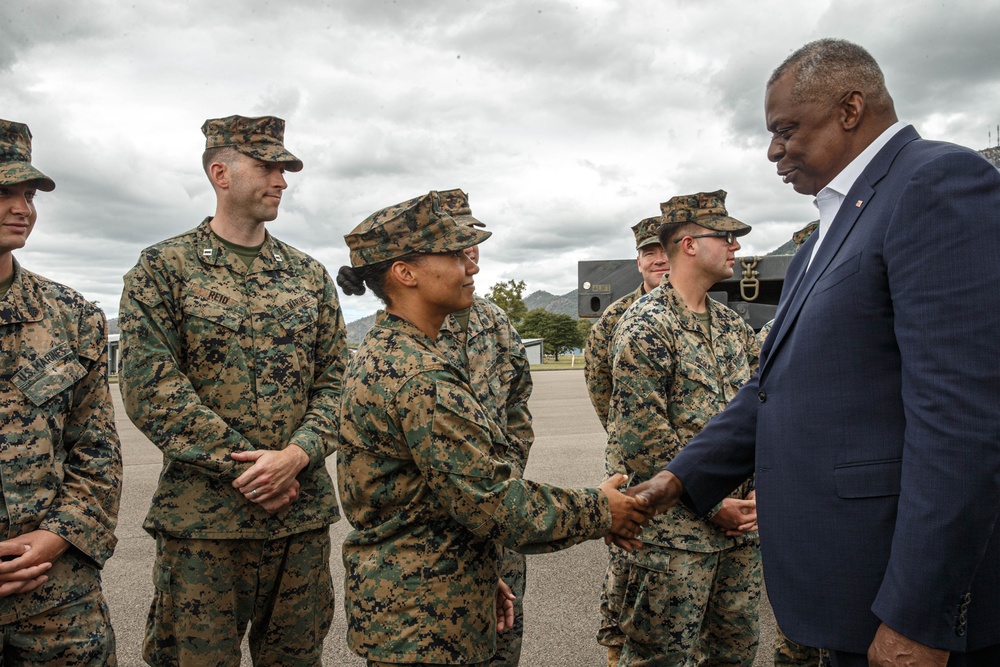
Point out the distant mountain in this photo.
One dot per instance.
(357, 329)
(786, 248)
(993, 155)
(565, 304)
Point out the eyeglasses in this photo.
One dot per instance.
(729, 236)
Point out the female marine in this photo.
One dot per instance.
(418, 468)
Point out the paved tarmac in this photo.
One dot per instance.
(561, 600)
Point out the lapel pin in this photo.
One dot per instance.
(858, 205)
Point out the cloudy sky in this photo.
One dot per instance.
(565, 121)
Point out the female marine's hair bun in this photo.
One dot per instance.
(350, 281)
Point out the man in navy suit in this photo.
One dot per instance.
(872, 424)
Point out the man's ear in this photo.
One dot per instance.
(687, 246)
(218, 174)
(851, 109)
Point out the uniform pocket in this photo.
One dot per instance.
(463, 438)
(50, 374)
(650, 558)
(160, 646)
(298, 314)
(203, 304)
(692, 373)
(646, 600)
(161, 578)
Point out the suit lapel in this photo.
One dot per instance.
(855, 203)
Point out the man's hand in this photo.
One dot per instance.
(26, 558)
(628, 515)
(737, 516)
(505, 607)
(891, 649)
(660, 493)
(270, 482)
(280, 502)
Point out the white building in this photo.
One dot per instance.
(535, 347)
(113, 354)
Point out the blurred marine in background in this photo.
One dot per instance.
(481, 340)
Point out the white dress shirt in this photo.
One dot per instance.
(829, 199)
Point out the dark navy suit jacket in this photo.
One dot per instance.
(873, 423)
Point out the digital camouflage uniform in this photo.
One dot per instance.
(482, 341)
(490, 351)
(597, 370)
(789, 654)
(62, 466)
(430, 501)
(218, 358)
(692, 592)
(597, 373)
(431, 507)
(60, 459)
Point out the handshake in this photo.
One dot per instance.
(633, 508)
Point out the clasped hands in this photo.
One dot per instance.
(270, 480)
(26, 559)
(662, 492)
(633, 508)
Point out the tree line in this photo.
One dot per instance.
(561, 332)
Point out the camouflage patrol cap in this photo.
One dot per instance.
(456, 204)
(261, 138)
(15, 157)
(418, 225)
(645, 231)
(801, 236)
(705, 209)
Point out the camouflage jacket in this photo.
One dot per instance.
(490, 351)
(764, 330)
(670, 379)
(60, 459)
(430, 507)
(597, 353)
(217, 359)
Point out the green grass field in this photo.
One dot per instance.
(565, 363)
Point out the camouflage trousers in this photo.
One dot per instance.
(77, 634)
(207, 591)
(615, 579)
(375, 663)
(513, 571)
(789, 654)
(610, 634)
(682, 608)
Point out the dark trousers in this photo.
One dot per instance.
(987, 657)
